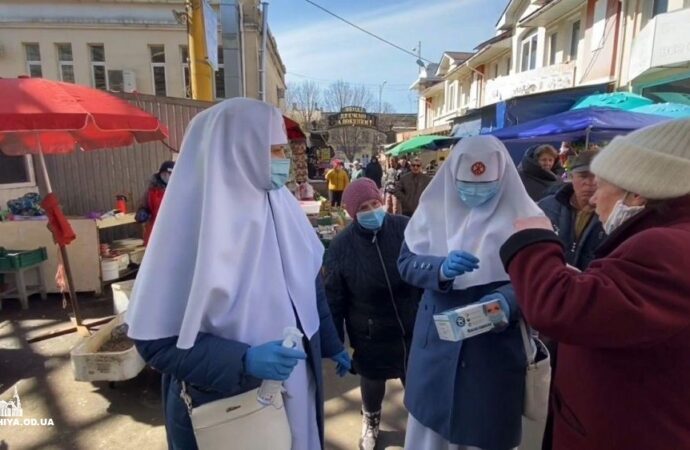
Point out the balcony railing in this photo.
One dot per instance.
(550, 78)
(663, 42)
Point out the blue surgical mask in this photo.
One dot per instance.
(280, 172)
(372, 220)
(475, 194)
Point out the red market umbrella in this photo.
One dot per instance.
(40, 117)
(294, 132)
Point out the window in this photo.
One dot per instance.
(574, 40)
(220, 75)
(451, 100)
(496, 70)
(99, 79)
(65, 62)
(599, 24)
(158, 70)
(529, 54)
(186, 76)
(553, 48)
(659, 7)
(16, 171)
(509, 62)
(33, 60)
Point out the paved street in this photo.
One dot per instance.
(89, 416)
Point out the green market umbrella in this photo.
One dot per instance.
(672, 110)
(429, 142)
(618, 100)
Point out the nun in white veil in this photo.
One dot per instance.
(233, 261)
(468, 394)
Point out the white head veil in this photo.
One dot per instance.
(227, 256)
(443, 222)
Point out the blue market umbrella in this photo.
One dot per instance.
(617, 100)
(597, 124)
(672, 110)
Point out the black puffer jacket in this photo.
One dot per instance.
(359, 297)
(537, 181)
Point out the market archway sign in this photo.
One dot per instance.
(353, 116)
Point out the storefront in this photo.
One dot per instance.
(660, 59)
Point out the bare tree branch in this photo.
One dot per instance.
(342, 94)
(302, 103)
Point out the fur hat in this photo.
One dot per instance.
(653, 162)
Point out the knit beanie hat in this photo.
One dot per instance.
(359, 191)
(653, 162)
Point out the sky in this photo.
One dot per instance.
(318, 47)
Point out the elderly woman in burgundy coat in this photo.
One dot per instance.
(623, 324)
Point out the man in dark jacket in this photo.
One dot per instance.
(410, 187)
(573, 217)
(535, 173)
(366, 293)
(374, 171)
(580, 230)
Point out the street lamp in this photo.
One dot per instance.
(380, 95)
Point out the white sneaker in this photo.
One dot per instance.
(370, 430)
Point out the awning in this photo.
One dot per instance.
(598, 124)
(551, 13)
(499, 39)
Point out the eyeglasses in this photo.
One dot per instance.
(416, 165)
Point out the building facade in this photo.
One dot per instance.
(549, 46)
(656, 49)
(117, 45)
(124, 45)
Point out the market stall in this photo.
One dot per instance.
(41, 117)
(590, 124)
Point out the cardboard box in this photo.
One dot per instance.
(468, 321)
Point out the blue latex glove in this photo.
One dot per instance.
(343, 363)
(457, 263)
(500, 321)
(272, 361)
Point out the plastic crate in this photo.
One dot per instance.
(19, 259)
(91, 365)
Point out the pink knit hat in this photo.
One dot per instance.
(358, 192)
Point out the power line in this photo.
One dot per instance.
(385, 41)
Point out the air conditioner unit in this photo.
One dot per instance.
(122, 80)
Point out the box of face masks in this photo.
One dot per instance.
(468, 321)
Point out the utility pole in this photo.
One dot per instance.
(200, 70)
(381, 96)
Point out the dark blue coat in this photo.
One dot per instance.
(470, 392)
(578, 253)
(214, 368)
(379, 327)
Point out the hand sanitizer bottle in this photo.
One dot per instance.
(271, 390)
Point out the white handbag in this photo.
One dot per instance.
(239, 422)
(537, 378)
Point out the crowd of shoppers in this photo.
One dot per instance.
(598, 268)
